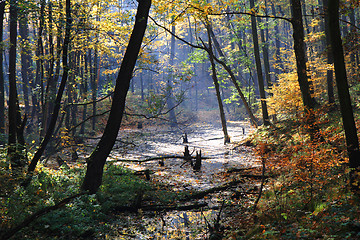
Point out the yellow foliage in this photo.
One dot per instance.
(286, 95)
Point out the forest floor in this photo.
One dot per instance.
(221, 177)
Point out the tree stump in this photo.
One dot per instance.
(197, 165)
(187, 156)
(185, 138)
(161, 162)
(147, 175)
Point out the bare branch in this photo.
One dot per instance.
(251, 14)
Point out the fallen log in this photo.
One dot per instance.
(159, 207)
(201, 194)
(253, 176)
(232, 170)
(153, 159)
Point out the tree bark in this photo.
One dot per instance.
(265, 51)
(84, 90)
(50, 91)
(96, 161)
(300, 54)
(17, 161)
(2, 82)
(347, 115)
(12, 75)
(25, 56)
(170, 97)
(330, 59)
(260, 77)
(217, 89)
(39, 65)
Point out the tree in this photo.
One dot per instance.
(330, 59)
(300, 53)
(223, 64)
(2, 82)
(15, 140)
(57, 103)
(50, 91)
(216, 83)
(96, 161)
(39, 75)
(169, 99)
(352, 141)
(25, 56)
(258, 68)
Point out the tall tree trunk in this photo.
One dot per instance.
(265, 51)
(57, 104)
(2, 82)
(260, 77)
(16, 161)
(50, 91)
(217, 87)
(39, 64)
(330, 60)
(96, 161)
(84, 90)
(232, 76)
(278, 65)
(347, 115)
(170, 97)
(142, 86)
(12, 76)
(300, 54)
(25, 55)
(94, 87)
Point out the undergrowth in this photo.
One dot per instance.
(308, 197)
(85, 217)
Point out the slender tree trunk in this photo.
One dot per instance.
(25, 55)
(84, 88)
(232, 76)
(217, 88)
(260, 77)
(50, 91)
(57, 104)
(39, 64)
(330, 60)
(278, 65)
(142, 86)
(58, 46)
(265, 51)
(347, 115)
(96, 161)
(170, 100)
(94, 88)
(2, 82)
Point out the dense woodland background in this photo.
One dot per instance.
(289, 68)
